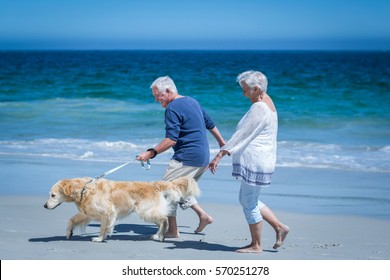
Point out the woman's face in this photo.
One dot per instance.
(246, 90)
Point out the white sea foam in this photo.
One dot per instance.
(73, 149)
(87, 154)
(290, 153)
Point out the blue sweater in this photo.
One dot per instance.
(186, 123)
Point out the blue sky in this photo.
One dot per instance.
(200, 24)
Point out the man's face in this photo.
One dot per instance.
(163, 97)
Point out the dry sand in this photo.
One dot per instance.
(333, 216)
(30, 232)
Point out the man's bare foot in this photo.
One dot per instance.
(204, 221)
(172, 234)
(250, 249)
(281, 236)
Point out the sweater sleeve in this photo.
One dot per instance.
(247, 129)
(207, 120)
(172, 124)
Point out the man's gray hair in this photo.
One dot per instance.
(164, 83)
(253, 78)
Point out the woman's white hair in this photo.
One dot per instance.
(252, 79)
(164, 83)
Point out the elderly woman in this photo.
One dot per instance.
(253, 146)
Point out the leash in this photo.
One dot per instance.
(112, 171)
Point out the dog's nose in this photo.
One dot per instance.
(45, 205)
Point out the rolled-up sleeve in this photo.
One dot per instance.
(207, 120)
(172, 124)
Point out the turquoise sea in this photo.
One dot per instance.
(334, 107)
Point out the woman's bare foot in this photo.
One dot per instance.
(250, 249)
(204, 221)
(281, 234)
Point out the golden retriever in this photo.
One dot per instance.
(106, 201)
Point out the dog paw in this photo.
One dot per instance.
(155, 237)
(69, 234)
(97, 239)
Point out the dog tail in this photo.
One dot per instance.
(188, 186)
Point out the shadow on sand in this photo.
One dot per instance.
(136, 232)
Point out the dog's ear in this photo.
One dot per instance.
(67, 187)
(71, 187)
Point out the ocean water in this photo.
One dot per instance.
(334, 107)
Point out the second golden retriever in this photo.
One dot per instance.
(106, 201)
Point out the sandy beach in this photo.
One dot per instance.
(31, 232)
(339, 225)
(318, 232)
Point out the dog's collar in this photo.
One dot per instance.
(85, 188)
(109, 172)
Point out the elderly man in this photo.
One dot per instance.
(185, 132)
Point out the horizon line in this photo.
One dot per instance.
(200, 50)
